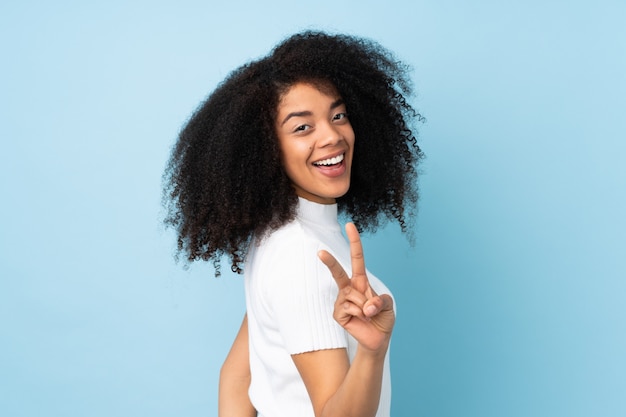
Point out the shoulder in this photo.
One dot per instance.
(275, 259)
(289, 244)
(285, 263)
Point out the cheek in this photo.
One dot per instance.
(292, 160)
(296, 152)
(349, 135)
(351, 143)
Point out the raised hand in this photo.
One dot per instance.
(367, 316)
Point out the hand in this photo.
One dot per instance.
(368, 317)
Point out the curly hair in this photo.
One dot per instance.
(225, 183)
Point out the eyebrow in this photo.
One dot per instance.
(305, 113)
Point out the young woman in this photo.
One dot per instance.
(259, 174)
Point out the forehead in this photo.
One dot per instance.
(301, 92)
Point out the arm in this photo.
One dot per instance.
(233, 398)
(336, 387)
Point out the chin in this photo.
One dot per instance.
(342, 193)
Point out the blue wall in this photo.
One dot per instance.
(511, 302)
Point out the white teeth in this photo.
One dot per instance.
(330, 161)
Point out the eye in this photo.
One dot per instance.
(302, 128)
(340, 116)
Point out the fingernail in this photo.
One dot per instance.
(370, 310)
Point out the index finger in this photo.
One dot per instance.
(335, 268)
(359, 276)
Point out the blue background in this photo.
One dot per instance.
(511, 302)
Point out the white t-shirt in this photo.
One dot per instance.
(290, 296)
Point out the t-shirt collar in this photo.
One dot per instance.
(322, 215)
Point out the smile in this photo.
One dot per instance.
(330, 161)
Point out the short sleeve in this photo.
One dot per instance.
(301, 294)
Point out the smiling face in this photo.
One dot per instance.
(316, 140)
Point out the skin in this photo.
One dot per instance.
(312, 126)
(336, 387)
(233, 400)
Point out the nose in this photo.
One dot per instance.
(330, 135)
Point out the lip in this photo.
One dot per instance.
(329, 156)
(332, 171)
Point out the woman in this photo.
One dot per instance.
(259, 174)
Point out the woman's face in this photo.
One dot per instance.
(316, 140)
